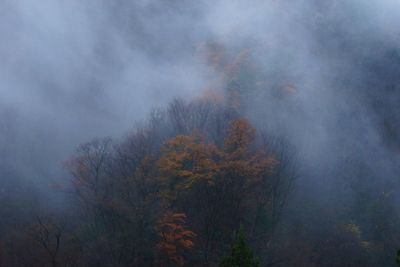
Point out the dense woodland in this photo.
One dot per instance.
(254, 171)
(176, 191)
(172, 193)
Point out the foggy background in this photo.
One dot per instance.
(73, 70)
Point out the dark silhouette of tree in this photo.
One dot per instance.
(241, 254)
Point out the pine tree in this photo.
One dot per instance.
(241, 254)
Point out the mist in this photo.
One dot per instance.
(71, 71)
(322, 75)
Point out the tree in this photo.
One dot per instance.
(175, 238)
(48, 236)
(218, 187)
(241, 254)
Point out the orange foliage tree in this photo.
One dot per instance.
(214, 185)
(174, 236)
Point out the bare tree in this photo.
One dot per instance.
(48, 236)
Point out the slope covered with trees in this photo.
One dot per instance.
(288, 157)
(172, 193)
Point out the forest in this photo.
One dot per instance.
(173, 133)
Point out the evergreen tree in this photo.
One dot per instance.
(241, 254)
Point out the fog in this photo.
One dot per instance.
(75, 70)
(322, 75)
